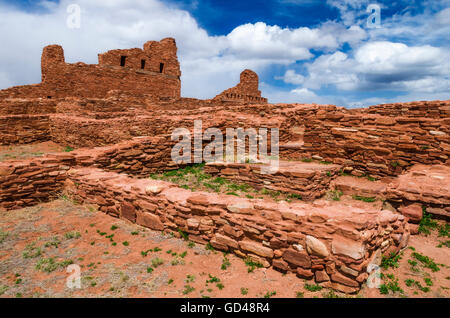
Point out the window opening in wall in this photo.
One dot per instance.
(161, 67)
(122, 60)
(142, 64)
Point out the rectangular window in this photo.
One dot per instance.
(142, 64)
(123, 60)
(161, 67)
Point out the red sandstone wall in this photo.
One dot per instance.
(245, 91)
(379, 145)
(22, 129)
(60, 79)
(334, 248)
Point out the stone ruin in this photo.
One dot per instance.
(119, 114)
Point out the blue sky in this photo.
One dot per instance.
(305, 51)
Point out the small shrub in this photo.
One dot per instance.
(225, 262)
(270, 294)
(184, 235)
(391, 261)
(244, 291)
(188, 289)
(157, 262)
(212, 279)
(427, 223)
(252, 265)
(190, 279)
(313, 288)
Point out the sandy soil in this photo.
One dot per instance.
(13, 152)
(38, 243)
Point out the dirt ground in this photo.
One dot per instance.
(13, 152)
(120, 259)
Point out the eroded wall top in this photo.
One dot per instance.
(246, 91)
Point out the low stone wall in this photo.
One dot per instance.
(379, 145)
(422, 185)
(331, 244)
(30, 182)
(308, 180)
(23, 129)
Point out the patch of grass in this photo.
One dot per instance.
(335, 195)
(68, 149)
(443, 230)
(391, 261)
(270, 294)
(149, 269)
(177, 261)
(428, 281)
(53, 242)
(190, 278)
(212, 279)
(244, 291)
(3, 289)
(72, 235)
(209, 247)
(427, 223)
(3, 235)
(307, 160)
(184, 235)
(135, 233)
(426, 261)
(390, 285)
(114, 227)
(294, 196)
(125, 243)
(191, 244)
(251, 265)
(49, 265)
(413, 265)
(300, 295)
(188, 289)
(31, 251)
(313, 288)
(157, 262)
(446, 243)
(225, 262)
(220, 286)
(364, 199)
(411, 282)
